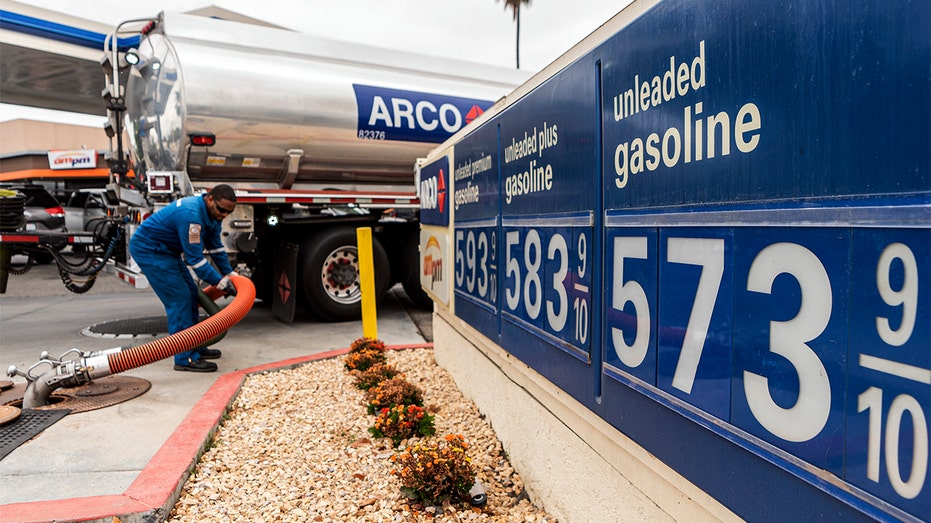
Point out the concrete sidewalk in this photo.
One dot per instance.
(129, 460)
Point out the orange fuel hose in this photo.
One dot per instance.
(192, 336)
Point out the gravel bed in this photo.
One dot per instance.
(295, 447)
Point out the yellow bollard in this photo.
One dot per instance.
(367, 282)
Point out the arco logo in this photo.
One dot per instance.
(474, 113)
(433, 193)
(412, 116)
(433, 189)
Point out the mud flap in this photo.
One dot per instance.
(285, 271)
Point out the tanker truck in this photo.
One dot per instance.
(317, 137)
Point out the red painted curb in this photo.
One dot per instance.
(95, 508)
(158, 486)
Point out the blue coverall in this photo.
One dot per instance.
(183, 227)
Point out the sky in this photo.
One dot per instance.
(476, 30)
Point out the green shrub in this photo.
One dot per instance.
(435, 471)
(401, 422)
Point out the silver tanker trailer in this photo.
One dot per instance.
(318, 137)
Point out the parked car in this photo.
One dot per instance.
(84, 205)
(43, 212)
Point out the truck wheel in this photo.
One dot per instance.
(410, 273)
(330, 275)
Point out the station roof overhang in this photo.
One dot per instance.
(52, 60)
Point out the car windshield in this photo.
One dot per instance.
(37, 197)
(91, 199)
(78, 199)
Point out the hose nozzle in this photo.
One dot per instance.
(60, 373)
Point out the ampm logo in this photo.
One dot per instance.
(76, 159)
(434, 179)
(411, 116)
(433, 262)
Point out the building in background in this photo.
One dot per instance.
(61, 157)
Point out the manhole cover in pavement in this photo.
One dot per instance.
(149, 326)
(97, 389)
(146, 326)
(97, 394)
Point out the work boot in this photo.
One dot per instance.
(210, 354)
(198, 366)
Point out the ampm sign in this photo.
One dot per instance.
(76, 159)
(395, 114)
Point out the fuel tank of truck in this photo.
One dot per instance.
(292, 110)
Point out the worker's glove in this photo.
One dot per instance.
(226, 285)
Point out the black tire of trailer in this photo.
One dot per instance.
(334, 253)
(410, 273)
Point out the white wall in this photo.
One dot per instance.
(579, 468)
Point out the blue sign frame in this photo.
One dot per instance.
(752, 185)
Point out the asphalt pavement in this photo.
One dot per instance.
(129, 460)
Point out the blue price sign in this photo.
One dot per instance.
(815, 340)
(475, 201)
(547, 279)
(476, 269)
(753, 265)
(801, 337)
(547, 239)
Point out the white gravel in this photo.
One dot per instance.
(296, 447)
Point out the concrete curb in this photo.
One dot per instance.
(153, 494)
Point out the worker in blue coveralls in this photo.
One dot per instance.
(175, 238)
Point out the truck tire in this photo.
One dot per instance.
(330, 277)
(410, 273)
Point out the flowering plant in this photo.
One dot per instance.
(364, 353)
(372, 376)
(433, 471)
(362, 360)
(394, 391)
(401, 422)
(364, 344)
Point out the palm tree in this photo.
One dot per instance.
(514, 5)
